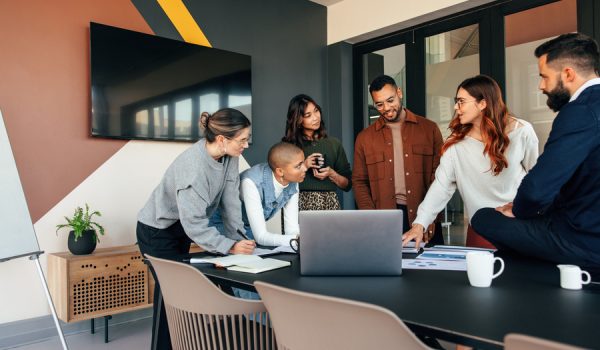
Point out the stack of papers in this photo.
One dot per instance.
(425, 264)
(442, 254)
(410, 247)
(442, 257)
(460, 248)
(244, 263)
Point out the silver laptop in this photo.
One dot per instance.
(351, 242)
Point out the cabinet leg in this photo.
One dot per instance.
(106, 318)
(92, 330)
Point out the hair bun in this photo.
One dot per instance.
(204, 117)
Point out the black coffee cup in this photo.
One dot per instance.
(295, 244)
(321, 162)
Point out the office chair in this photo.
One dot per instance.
(311, 321)
(201, 316)
(514, 341)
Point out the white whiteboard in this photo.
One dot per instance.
(17, 237)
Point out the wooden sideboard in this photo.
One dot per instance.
(104, 283)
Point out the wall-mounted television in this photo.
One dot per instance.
(147, 87)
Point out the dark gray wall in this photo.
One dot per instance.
(340, 101)
(287, 40)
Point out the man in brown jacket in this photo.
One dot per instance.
(396, 157)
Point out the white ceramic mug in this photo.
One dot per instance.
(571, 277)
(480, 268)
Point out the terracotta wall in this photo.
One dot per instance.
(541, 22)
(44, 91)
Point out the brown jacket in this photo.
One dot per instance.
(373, 174)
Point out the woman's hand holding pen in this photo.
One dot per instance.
(243, 247)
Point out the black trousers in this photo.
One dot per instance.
(171, 243)
(533, 237)
(437, 235)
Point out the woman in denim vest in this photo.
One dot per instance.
(268, 187)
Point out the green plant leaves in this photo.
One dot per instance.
(82, 221)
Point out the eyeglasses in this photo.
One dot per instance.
(242, 142)
(381, 105)
(461, 101)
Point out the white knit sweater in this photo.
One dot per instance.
(464, 166)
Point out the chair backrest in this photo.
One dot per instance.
(514, 341)
(201, 316)
(310, 321)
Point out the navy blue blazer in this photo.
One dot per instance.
(565, 182)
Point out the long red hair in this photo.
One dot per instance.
(494, 119)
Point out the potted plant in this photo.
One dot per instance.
(83, 236)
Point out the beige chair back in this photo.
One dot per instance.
(310, 321)
(514, 341)
(201, 316)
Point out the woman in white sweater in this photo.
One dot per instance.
(486, 156)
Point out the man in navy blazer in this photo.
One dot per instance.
(556, 212)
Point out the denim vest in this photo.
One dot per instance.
(262, 177)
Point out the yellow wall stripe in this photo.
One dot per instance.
(184, 22)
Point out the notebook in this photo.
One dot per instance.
(262, 265)
(244, 263)
(351, 242)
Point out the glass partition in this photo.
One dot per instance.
(523, 97)
(450, 58)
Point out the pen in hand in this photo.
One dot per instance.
(245, 246)
(243, 235)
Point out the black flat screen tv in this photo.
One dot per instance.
(147, 87)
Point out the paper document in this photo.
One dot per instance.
(460, 248)
(432, 254)
(263, 251)
(425, 264)
(284, 249)
(410, 247)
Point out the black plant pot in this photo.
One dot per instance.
(84, 244)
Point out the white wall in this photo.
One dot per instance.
(349, 19)
(118, 189)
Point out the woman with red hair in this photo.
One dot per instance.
(485, 157)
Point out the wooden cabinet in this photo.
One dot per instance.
(106, 282)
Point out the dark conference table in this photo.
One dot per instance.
(526, 298)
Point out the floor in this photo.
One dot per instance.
(130, 336)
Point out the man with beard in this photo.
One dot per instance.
(396, 157)
(556, 213)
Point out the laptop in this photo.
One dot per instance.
(351, 242)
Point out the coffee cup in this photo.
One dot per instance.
(321, 162)
(295, 244)
(571, 277)
(480, 268)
